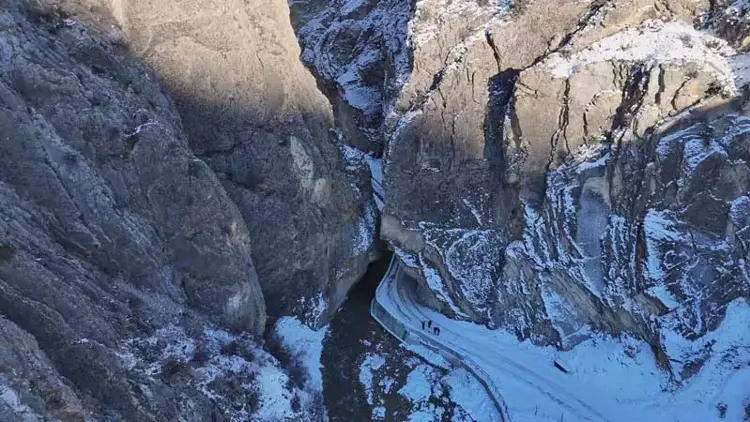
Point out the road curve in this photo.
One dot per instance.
(409, 335)
(397, 311)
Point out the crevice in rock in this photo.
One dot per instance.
(632, 99)
(562, 126)
(500, 89)
(491, 43)
(659, 93)
(565, 40)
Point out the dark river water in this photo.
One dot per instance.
(351, 335)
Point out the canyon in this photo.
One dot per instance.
(190, 192)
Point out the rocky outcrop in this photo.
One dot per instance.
(537, 173)
(359, 52)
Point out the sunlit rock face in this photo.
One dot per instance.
(254, 114)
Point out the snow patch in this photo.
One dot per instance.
(659, 227)
(371, 363)
(656, 42)
(305, 344)
(437, 285)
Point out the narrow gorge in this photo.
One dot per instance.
(199, 199)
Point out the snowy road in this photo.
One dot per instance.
(395, 295)
(611, 378)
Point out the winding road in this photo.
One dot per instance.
(396, 309)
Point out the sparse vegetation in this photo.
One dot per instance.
(174, 367)
(253, 402)
(200, 357)
(296, 404)
(291, 363)
(230, 349)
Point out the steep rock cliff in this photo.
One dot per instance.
(557, 167)
(124, 256)
(254, 114)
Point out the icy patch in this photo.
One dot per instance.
(661, 293)
(407, 258)
(372, 363)
(559, 312)
(305, 344)
(658, 43)
(351, 5)
(376, 179)
(303, 164)
(473, 210)
(365, 235)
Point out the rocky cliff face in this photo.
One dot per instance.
(254, 114)
(557, 167)
(134, 230)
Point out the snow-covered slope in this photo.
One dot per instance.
(608, 378)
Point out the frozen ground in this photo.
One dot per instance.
(306, 345)
(612, 379)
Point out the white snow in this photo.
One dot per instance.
(406, 257)
(371, 363)
(314, 307)
(418, 390)
(306, 344)
(658, 228)
(351, 5)
(365, 235)
(615, 379)
(739, 211)
(353, 158)
(473, 261)
(697, 151)
(661, 292)
(466, 391)
(418, 383)
(261, 375)
(656, 42)
(437, 285)
(376, 172)
(473, 210)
